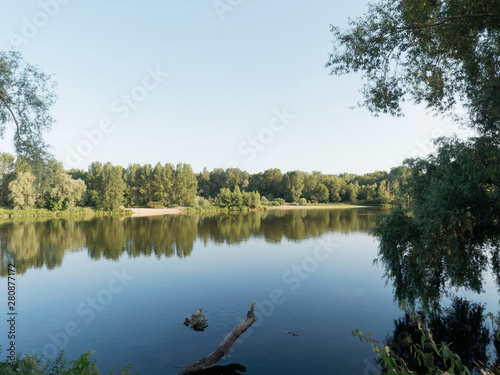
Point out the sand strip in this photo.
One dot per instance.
(140, 212)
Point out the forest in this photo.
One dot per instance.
(107, 187)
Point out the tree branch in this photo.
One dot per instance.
(226, 344)
(6, 101)
(445, 20)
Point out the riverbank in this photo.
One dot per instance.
(42, 212)
(312, 207)
(142, 212)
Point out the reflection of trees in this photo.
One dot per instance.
(420, 273)
(463, 325)
(38, 243)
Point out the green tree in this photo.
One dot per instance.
(6, 176)
(26, 95)
(162, 183)
(236, 177)
(22, 191)
(254, 200)
(47, 177)
(320, 194)
(237, 197)
(132, 194)
(434, 52)
(67, 192)
(272, 182)
(352, 191)
(204, 186)
(293, 184)
(451, 219)
(367, 192)
(224, 198)
(145, 182)
(218, 180)
(184, 185)
(105, 186)
(336, 187)
(383, 192)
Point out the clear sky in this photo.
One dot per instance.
(212, 83)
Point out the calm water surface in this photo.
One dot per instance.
(122, 287)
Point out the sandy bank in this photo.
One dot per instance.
(139, 212)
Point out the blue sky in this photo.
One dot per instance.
(213, 83)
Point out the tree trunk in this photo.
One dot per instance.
(226, 344)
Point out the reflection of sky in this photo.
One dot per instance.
(143, 323)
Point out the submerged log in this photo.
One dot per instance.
(226, 344)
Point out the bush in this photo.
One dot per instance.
(302, 201)
(279, 201)
(155, 205)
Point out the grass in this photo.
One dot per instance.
(77, 211)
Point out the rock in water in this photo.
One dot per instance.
(198, 321)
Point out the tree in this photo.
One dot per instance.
(184, 184)
(237, 197)
(293, 184)
(67, 192)
(6, 176)
(320, 194)
(26, 95)
(272, 182)
(224, 198)
(434, 52)
(204, 186)
(236, 177)
(47, 176)
(146, 184)
(439, 238)
(336, 187)
(442, 54)
(105, 186)
(22, 191)
(351, 192)
(162, 183)
(383, 194)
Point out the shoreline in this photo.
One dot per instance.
(292, 207)
(144, 212)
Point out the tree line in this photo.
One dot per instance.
(24, 185)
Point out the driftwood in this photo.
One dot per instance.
(226, 344)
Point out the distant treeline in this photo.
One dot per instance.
(45, 184)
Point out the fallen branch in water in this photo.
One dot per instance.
(226, 344)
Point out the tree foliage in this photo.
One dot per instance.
(22, 191)
(105, 186)
(435, 52)
(26, 95)
(437, 239)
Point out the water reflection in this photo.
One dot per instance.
(463, 325)
(423, 276)
(38, 243)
